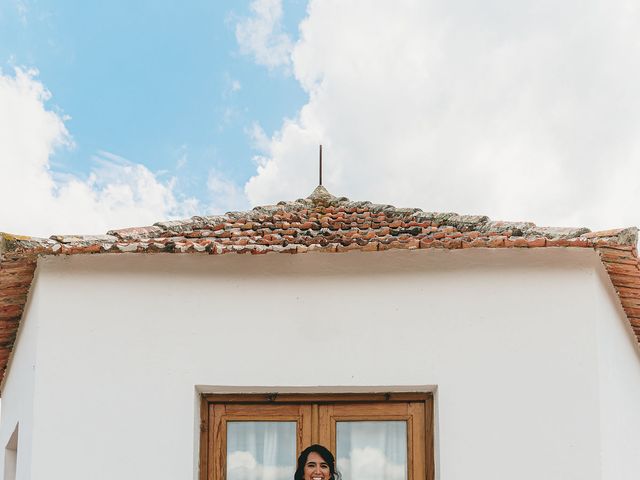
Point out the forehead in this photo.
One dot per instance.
(315, 457)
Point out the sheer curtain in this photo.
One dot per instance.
(261, 450)
(375, 450)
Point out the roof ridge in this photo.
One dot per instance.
(321, 222)
(321, 201)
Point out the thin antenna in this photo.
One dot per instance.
(320, 166)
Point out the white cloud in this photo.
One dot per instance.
(229, 114)
(183, 159)
(231, 86)
(242, 465)
(225, 194)
(262, 37)
(370, 463)
(259, 139)
(22, 9)
(519, 110)
(36, 201)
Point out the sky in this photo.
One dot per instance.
(116, 114)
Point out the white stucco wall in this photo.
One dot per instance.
(18, 393)
(511, 339)
(619, 368)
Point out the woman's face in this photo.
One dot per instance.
(316, 468)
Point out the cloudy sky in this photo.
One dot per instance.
(119, 113)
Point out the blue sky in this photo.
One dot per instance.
(149, 110)
(156, 82)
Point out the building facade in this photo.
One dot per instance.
(517, 343)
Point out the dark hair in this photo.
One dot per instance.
(326, 455)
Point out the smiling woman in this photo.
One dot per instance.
(316, 463)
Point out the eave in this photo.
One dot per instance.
(320, 223)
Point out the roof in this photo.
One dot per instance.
(318, 223)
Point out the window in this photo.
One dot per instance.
(11, 456)
(373, 436)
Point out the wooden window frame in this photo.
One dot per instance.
(309, 410)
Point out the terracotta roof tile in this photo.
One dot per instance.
(318, 223)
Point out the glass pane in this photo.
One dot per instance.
(372, 450)
(261, 450)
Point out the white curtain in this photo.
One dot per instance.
(261, 450)
(372, 450)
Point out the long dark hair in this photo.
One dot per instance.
(326, 455)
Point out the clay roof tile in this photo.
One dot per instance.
(320, 222)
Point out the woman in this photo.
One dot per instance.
(316, 463)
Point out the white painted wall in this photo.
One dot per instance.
(619, 362)
(18, 394)
(510, 338)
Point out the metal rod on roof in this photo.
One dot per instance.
(320, 165)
